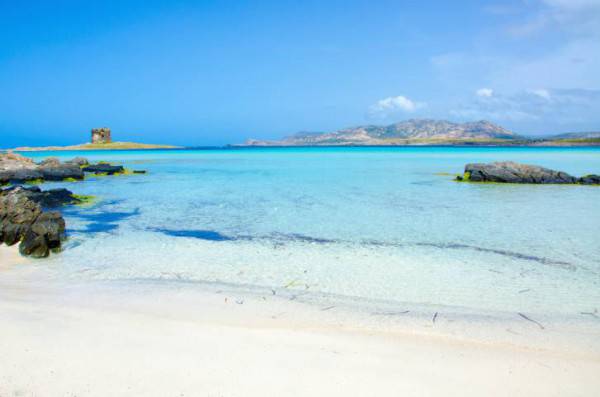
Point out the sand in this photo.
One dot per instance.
(102, 340)
(9, 256)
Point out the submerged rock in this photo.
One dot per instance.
(511, 172)
(22, 219)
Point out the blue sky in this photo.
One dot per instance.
(217, 72)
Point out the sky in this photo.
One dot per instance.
(219, 72)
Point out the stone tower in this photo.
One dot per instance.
(101, 135)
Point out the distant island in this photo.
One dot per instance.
(101, 139)
(428, 132)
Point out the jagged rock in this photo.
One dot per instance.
(44, 235)
(103, 168)
(22, 219)
(17, 214)
(511, 172)
(590, 180)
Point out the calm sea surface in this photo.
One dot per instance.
(385, 224)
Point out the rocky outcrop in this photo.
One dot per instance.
(23, 220)
(52, 198)
(511, 172)
(15, 168)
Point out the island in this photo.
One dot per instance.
(101, 139)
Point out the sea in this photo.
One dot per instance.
(384, 225)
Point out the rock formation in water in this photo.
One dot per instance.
(511, 172)
(23, 219)
(16, 169)
(24, 215)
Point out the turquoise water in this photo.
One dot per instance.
(383, 224)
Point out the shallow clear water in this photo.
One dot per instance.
(378, 223)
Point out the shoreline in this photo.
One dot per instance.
(259, 147)
(153, 339)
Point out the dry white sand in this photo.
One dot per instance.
(9, 256)
(55, 341)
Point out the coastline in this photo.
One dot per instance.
(153, 339)
(73, 327)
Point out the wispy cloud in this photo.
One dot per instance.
(390, 106)
(530, 105)
(579, 17)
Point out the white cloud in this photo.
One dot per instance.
(542, 93)
(392, 105)
(484, 92)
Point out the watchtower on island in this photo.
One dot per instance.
(101, 135)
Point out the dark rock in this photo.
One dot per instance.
(22, 219)
(45, 235)
(19, 175)
(510, 172)
(590, 180)
(17, 214)
(139, 171)
(103, 168)
(46, 198)
(61, 172)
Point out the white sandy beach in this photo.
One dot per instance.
(95, 342)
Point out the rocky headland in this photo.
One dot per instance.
(28, 214)
(511, 172)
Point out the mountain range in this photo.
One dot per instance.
(419, 131)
